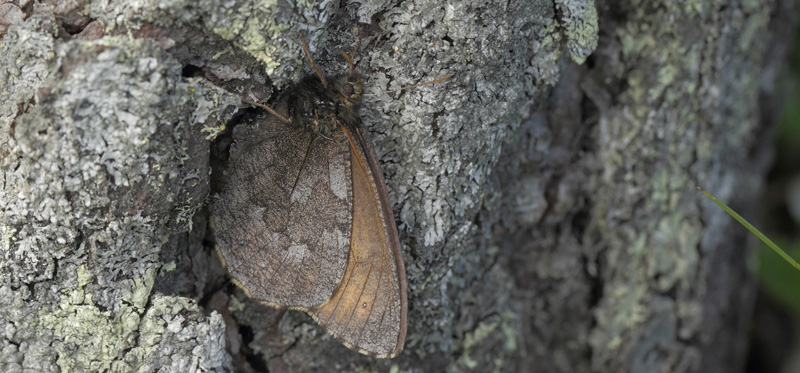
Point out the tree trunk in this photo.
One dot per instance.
(545, 195)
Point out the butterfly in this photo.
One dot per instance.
(304, 221)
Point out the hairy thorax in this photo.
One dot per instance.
(322, 110)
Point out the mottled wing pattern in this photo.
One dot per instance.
(286, 247)
(367, 312)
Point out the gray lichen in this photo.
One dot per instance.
(111, 157)
(512, 220)
(104, 152)
(658, 143)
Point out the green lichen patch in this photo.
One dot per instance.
(579, 20)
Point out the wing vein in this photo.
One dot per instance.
(346, 284)
(355, 308)
(372, 304)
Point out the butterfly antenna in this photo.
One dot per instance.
(350, 60)
(313, 64)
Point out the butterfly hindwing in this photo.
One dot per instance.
(367, 311)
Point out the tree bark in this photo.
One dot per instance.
(545, 195)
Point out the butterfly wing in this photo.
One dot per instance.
(368, 310)
(283, 221)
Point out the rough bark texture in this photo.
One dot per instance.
(544, 195)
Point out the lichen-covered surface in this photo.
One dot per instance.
(105, 157)
(630, 267)
(546, 209)
(688, 116)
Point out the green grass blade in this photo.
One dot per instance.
(753, 229)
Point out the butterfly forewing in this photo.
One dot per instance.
(285, 215)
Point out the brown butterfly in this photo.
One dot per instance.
(304, 221)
